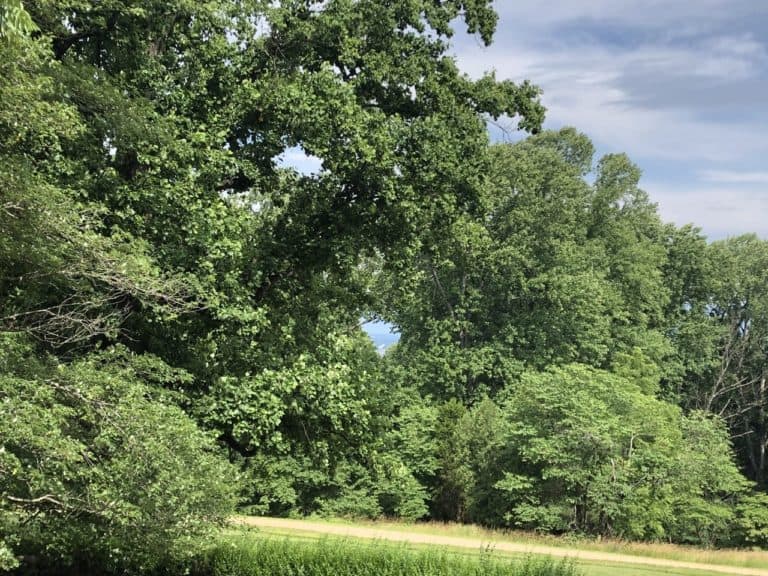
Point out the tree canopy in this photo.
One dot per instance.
(181, 307)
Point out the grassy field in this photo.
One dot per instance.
(585, 567)
(243, 554)
(725, 557)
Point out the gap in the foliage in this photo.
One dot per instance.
(300, 160)
(382, 333)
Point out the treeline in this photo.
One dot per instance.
(180, 313)
(567, 363)
(579, 365)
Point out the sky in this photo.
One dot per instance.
(681, 86)
(382, 335)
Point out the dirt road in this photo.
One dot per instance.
(353, 531)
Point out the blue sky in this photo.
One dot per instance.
(680, 86)
(381, 334)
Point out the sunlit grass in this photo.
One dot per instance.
(585, 567)
(247, 554)
(726, 557)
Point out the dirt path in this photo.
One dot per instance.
(416, 538)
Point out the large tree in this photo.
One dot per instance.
(84, 433)
(720, 328)
(549, 269)
(145, 207)
(186, 111)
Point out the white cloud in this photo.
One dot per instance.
(726, 58)
(583, 87)
(735, 177)
(679, 86)
(300, 161)
(720, 210)
(692, 16)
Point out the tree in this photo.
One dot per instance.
(590, 451)
(80, 440)
(147, 215)
(453, 475)
(721, 336)
(185, 110)
(548, 269)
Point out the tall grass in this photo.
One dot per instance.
(250, 556)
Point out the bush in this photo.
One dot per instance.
(98, 470)
(751, 524)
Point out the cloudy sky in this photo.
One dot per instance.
(680, 85)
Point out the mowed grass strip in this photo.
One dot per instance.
(251, 555)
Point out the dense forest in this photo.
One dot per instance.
(180, 311)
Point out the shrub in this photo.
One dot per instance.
(751, 524)
(98, 470)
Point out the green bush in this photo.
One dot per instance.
(582, 449)
(248, 556)
(751, 524)
(97, 470)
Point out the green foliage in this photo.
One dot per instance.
(407, 455)
(355, 495)
(400, 494)
(576, 448)
(571, 305)
(8, 560)
(249, 556)
(15, 22)
(161, 269)
(737, 387)
(751, 525)
(720, 332)
(93, 469)
(548, 269)
(707, 482)
(486, 433)
(576, 433)
(155, 255)
(452, 454)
